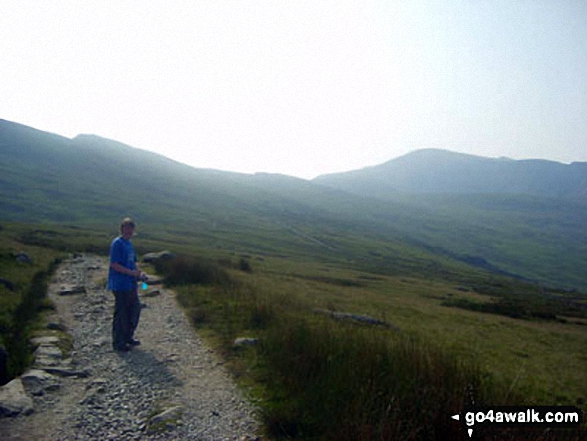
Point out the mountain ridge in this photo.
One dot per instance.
(89, 179)
(430, 155)
(442, 171)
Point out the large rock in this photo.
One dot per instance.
(7, 283)
(14, 400)
(155, 257)
(37, 382)
(23, 258)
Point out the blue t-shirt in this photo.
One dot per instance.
(122, 252)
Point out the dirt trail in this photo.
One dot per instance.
(171, 387)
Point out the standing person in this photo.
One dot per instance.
(122, 281)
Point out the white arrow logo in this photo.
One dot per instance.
(457, 418)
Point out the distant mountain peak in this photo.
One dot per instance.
(443, 154)
(88, 138)
(430, 171)
(83, 136)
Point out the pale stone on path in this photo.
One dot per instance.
(37, 381)
(14, 400)
(46, 340)
(170, 414)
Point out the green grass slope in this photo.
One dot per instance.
(542, 239)
(521, 217)
(93, 181)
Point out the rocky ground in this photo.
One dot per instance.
(171, 387)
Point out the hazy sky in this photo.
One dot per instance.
(302, 87)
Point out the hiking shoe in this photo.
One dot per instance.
(134, 342)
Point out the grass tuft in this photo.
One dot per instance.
(340, 382)
(334, 381)
(191, 270)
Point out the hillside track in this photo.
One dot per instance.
(170, 387)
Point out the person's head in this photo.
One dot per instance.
(127, 228)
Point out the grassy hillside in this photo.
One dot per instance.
(437, 269)
(93, 181)
(524, 218)
(317, 378)
(538, 238)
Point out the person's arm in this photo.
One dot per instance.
(122, 269)
(117, 255)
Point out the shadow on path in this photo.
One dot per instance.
(149, 369)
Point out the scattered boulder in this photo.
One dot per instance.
(68, 290)
(359, 318)
(7, 283)
(37, 382)
(54, 326)
(156, 257)
(153, 280)
(246, 341)
(14, 400)
(153, 293)
(23, 258)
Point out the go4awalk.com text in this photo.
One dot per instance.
(518, 416)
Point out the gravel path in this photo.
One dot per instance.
(171, 387)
